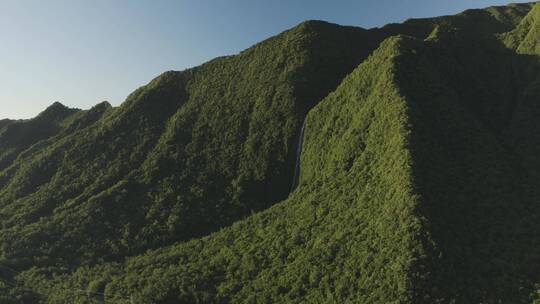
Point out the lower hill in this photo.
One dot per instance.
(17, 136)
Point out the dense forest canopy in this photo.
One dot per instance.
(419, 175)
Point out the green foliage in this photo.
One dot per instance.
(526, 36)
(185, 155)
(17, 136)
(418, 178)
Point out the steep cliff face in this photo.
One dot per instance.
(418, 175)
(525, 38)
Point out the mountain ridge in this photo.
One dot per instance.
(418, 155)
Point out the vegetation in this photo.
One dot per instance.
(17, 136)
(418, 176)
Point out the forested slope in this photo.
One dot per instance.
(17, 136)
(418, 175)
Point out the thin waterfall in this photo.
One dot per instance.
(296, 175)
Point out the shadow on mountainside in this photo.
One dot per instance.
(475, 141)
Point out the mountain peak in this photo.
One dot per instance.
(56, 111)
(55, 106)
(103, 104)
(317, 25)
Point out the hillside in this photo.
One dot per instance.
(418, 176)
(17, 136)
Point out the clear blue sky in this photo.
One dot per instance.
(81, 52)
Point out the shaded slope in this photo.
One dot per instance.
(77, 167)
(17, 136)
(478, 190)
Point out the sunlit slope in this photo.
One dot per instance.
(418, 176)
(349, 232)
(526, 37)
(413, 177)
(184, 155)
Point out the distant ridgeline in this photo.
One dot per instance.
(419, 176)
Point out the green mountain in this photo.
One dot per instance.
(18, 136)
(327, 164)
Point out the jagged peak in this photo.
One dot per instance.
(314, 25)
(100, 108)
(88, 117)
(55, 106)
(104, 104)
(301, 30)
(56, 111)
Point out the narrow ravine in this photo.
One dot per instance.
(296, 176)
